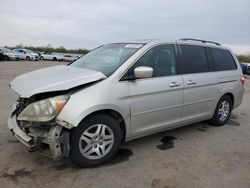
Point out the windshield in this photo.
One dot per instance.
(107, 58)
(29, 51)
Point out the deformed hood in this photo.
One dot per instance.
(57, 78)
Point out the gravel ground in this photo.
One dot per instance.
(198, 155)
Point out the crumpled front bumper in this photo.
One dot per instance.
(18, 133)
(53, 143)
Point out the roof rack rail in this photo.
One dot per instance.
(199, 40)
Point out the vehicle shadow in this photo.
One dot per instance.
(162, 140)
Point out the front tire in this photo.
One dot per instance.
(28, 58)
(95, 141)
(223, 111)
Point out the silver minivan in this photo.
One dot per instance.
(122, 91)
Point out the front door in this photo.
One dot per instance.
(156, 102)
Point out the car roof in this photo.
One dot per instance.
(196, 42)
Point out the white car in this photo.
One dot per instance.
(9, 54)
(69, 58)
(27, 54)
(50, 56)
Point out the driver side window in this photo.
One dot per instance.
(161, 59)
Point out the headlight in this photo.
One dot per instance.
(44, 110)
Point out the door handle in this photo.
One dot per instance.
(191, 82)
(174, 84)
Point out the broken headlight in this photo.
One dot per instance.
(44, 110)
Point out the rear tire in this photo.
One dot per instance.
(54, 59)
(41, 58)
(95, 141)
(223, 111)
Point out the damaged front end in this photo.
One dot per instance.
(42, 95)
(48, 138)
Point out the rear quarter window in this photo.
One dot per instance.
(223, 60)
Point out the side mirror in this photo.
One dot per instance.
(143, 72)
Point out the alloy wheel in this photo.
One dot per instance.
(96, 141)
(224, 110)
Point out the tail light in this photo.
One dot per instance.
(242, 80)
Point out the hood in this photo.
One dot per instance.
(57, 78)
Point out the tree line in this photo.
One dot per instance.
(244, 58)
(49, 48)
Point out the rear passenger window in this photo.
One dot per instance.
(194, 59)
(223, 60)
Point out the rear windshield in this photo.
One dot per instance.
(107, 58)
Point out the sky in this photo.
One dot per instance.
(88, 24)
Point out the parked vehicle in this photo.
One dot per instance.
(27, 54)
(9, 54)
(2, 57)
(39, 54)
(50, 56)
(245, 67)
(69, 58)
(123, 91)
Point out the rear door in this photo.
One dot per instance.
(47, 55)
(200, 83)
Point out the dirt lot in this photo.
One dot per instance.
(198, 155)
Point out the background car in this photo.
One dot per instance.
(39, 54)
(50, 56)
(1, 56)
(69, 58)
(9, 54)
(245, 66)
(26, 54)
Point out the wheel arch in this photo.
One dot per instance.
(114, 114)
(231, 96)
(215, 119)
